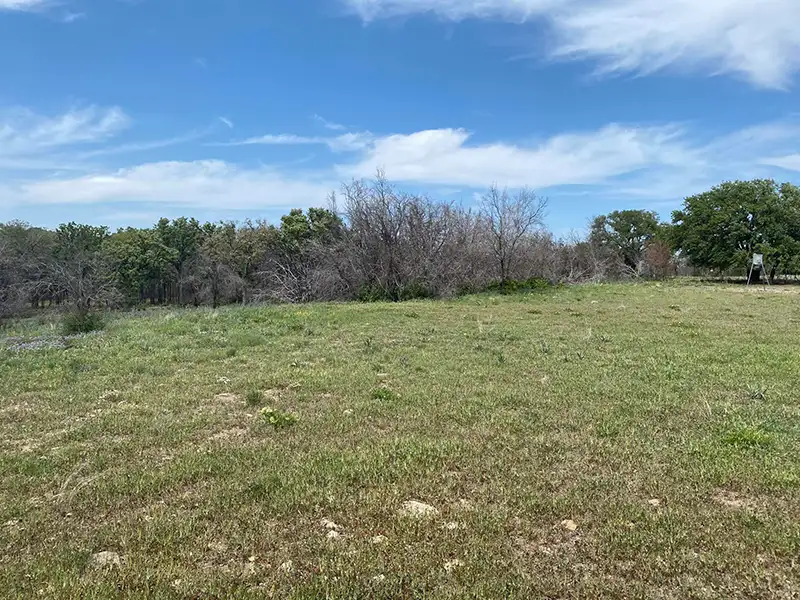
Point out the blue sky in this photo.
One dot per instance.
(122, 111)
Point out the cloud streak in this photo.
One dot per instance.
(756, 41)
(346, 142)
(21, 4)
(203, 183)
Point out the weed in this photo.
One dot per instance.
(254, 397)
(499, 357)
(277, 419)
(384, 393)
(758, 394)
(747, 437)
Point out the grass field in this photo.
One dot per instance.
(617, 441)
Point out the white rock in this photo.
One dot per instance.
(452, 565)
(417, 510)
(452, 526)
(655, 502)
(348, 412)
(569, 525)
(106, 559)
(379, 539)
(379, 578)
(287, 567)
(330, 525)
(333, 535)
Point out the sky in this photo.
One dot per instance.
(119, 112)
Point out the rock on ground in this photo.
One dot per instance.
(452, 565)
(105, 559)
(417, 510)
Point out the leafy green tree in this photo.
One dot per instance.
(721, 229)
(184, 236)
(626, 232)
(141, 263)
(216, 279)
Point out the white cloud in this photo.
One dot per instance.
(346, 142)
(756, 40)
(227, 122)
(20, 4)
(23, 132)
(647, 162)
(445, 157)
(329, 124)
(205, 183)
(790, 162)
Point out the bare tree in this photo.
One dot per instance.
(509, 221)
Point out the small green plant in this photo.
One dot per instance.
(278, 419)
(500, 357)
(230, 352)
(77, 322)
(747, 437)
(384, 393)
(254, 397)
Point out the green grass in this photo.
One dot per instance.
(511, 415)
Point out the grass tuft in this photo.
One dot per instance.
(254, 397)
(747, 437)
(76, 322)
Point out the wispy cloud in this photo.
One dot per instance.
(227, 122)
(21, 4)
(204, 183)
(347, 142)
(329, 124)
(71, 17)
(26, 136)
(790, 162)
(754, 40)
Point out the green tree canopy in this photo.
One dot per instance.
(722, 228)
(626, 232)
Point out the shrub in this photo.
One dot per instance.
(82, 322)
(399, 293)
(514, 286)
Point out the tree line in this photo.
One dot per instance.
(375, 242)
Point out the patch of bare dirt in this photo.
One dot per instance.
(230, 435)
(227, 398)
(737, 501)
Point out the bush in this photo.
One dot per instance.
(77, 322)
(514, 286)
